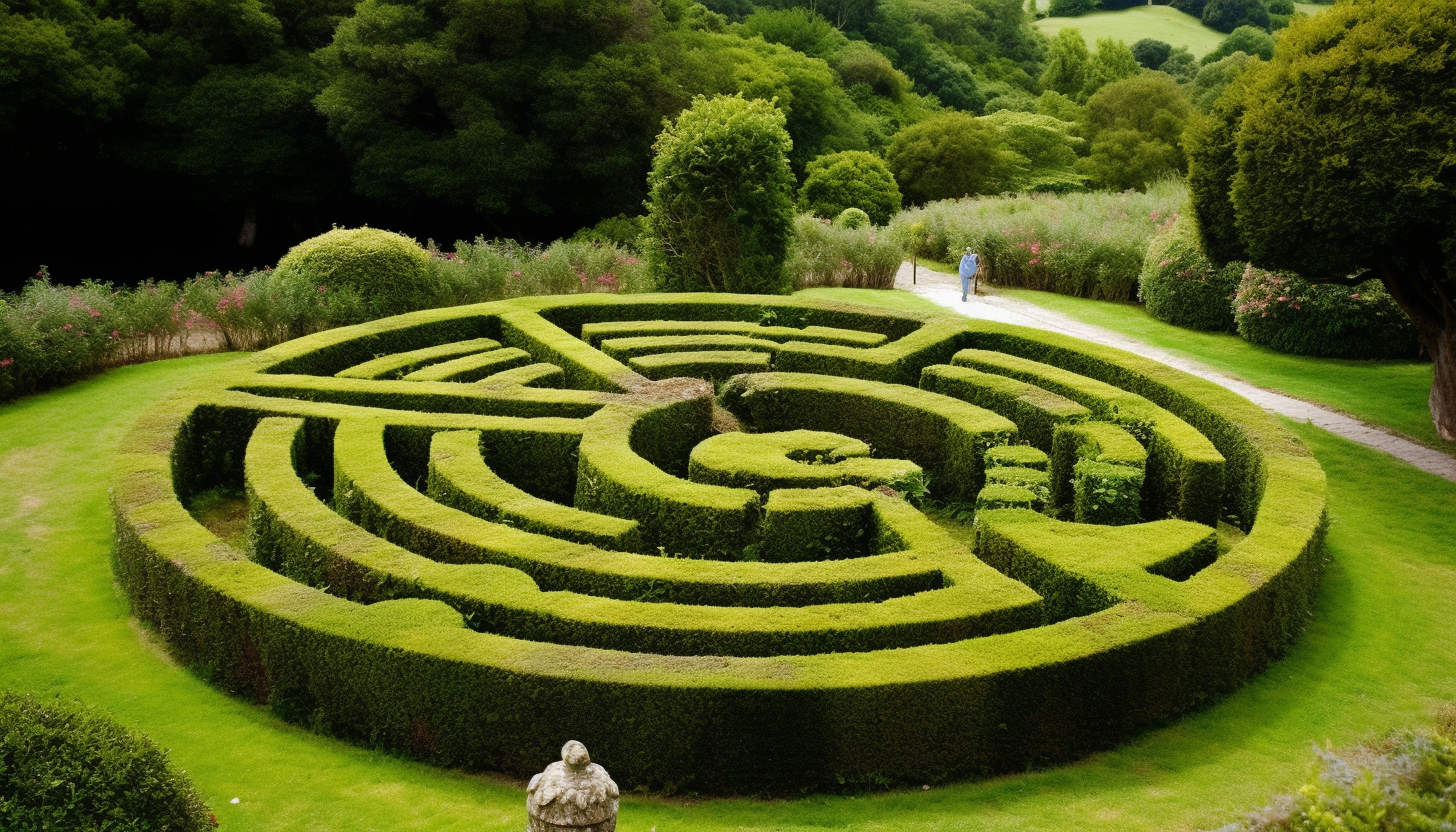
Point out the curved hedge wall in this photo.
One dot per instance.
(477, 532)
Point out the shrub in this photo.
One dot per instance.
(390, 273)
(863, 257)
(1405, 782)
(1089, 245)
(405, 619)
(1151, 53)
(1228, 15)
(720, 209)
(67, 766)
(949, 156)
(852, 218)
(621, 231)
(1283, 312)
(852, 179)
(1071, 8)
(1250, 40)
(1180, 286)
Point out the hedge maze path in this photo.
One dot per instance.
(726, 541)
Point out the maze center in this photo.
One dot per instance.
(731, 543)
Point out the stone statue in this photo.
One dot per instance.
(574, 795)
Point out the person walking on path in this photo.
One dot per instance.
(970, 264)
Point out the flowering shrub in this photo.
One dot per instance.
(826, 254)
(1085, 244)
(51, 335)
(1180, 286)
(1284, 312)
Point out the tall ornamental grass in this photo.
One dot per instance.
(52, 334)
(826, 254)
(1090, 245)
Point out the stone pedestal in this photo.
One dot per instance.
(574, 795)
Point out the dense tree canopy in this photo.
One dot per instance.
(946, 157)
(1135, 126)
(1337, 156)
(850, 179)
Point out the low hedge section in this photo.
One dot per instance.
(472, 571)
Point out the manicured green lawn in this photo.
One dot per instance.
(1377, 655)
(1391, 394)
(1132, 25)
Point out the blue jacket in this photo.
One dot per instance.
(970, 264)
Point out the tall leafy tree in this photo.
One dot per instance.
(1339, 159)
(1135, 125)
(1067, 63)
(720, 207)
(949, 156)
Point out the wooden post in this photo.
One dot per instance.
(913, 271)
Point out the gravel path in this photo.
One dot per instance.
(945, 290)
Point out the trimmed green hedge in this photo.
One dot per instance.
(732, 640)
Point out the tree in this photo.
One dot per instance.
(1193, 7)
(1151, 53)
(1340, 153)
(799, 29)
(1180, 65)
(720, 209)
(1071, 8)
(949, 156)
(1045, 151)
(851, 179)
(1246, 39)
(1228, 15)
(1135, 126)
(1113, 61)
(1213, 79)
(1067, 63)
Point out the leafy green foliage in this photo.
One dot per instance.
(1247, 39)
(1135, 126)
(842, 254)
(799, 29)
(1180, 65)
(67, 766)
(1113, 61)
(1180, 286)
(949, 156)
(391, 272)
(1044, 148)
(1403, 782)
(1228, 15)
(1071, 8)
(720, 208)
(852, 219)
(1281, 311)
(1212, 79)
(850, 179)
(1151, 53)
(1067, 64)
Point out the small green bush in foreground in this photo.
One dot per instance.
(66, 766)
(1407, 782)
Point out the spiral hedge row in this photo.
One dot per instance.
(676, 528)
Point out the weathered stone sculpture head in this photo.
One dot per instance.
(574, 794)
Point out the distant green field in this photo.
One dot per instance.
(1132, 25)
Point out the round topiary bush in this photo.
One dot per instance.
(1180, 286)
(1286, 313)
(689, 532)
(67, 766)
(852, 219)
(389, 272)
(852, 179)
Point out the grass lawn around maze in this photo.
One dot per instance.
(1377, 656)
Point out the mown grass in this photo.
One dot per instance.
(1377, 655)
(1392, 394)
(1163, 23)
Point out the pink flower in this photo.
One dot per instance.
(208, 274)
(632, 261)
(1164, 263)
(1283, 298)
(67, 326)
(516, 273)
(6, 362)
(95, 314)
(323, 288)
(115, 334)
(1355, 296)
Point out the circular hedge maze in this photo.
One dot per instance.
(725, 541)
